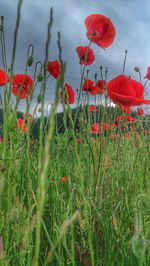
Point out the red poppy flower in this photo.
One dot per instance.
(95, 129)
(126, 135)
(100, 30)
(78, 140)
(125, 109)
(54, 68)
(30, 117)
(68, 95)
(119, 118)
(105, 126)
(93, 90)
(86, 55)
(22, 125)
(147, 74)
(114, 125)
(63, 179)
(126, 91)
(140, 112)
(87, 85)
(130, 119)
(22, 86)
(92, 108)
(4, 78)
(1, 139)
(101, 85)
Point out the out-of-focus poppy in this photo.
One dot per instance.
(63, 179)
(105, 126)
(95, 129)
(119, 118)
(92, 108)
(22, 125)
(87, 84)
(67, 95)
(147, 74)
(125, 109)
(130, 119)
(29, 117)
(101, 86)
(140, 112)
(4, 78)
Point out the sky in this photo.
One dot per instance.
(131, 19)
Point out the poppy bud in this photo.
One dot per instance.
(136, 69)
(39, 77)
(39, 98)
(30, 61)
(87, 72)
(95, 76)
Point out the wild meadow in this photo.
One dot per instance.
(76, 190)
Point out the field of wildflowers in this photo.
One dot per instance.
(78, 196)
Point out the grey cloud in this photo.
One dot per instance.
(131, 19)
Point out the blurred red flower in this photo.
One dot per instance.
(54, 68)
(126, 135)
(30, 117)
(140, 112)
(101, 86)
(92, 108)
(130, 119)
(4, 78)
(126, 91)
(22, 125)
(63, 179)
(100, 30)
(147, 74)
(95, 129)
(114, 125)
(68, 95)
(93, 90)
(22, 86)
(87, 85)
(78, 140)
(119, 118)
(125, 109)
(105, 126)
(86, 55)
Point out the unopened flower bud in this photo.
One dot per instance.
(39, 98)
(95, 76)
(39, 77)
(30, 61)
(136, 69)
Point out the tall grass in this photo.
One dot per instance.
(100, 214)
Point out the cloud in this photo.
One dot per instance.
(131, 20)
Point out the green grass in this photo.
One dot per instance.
(90, 217)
